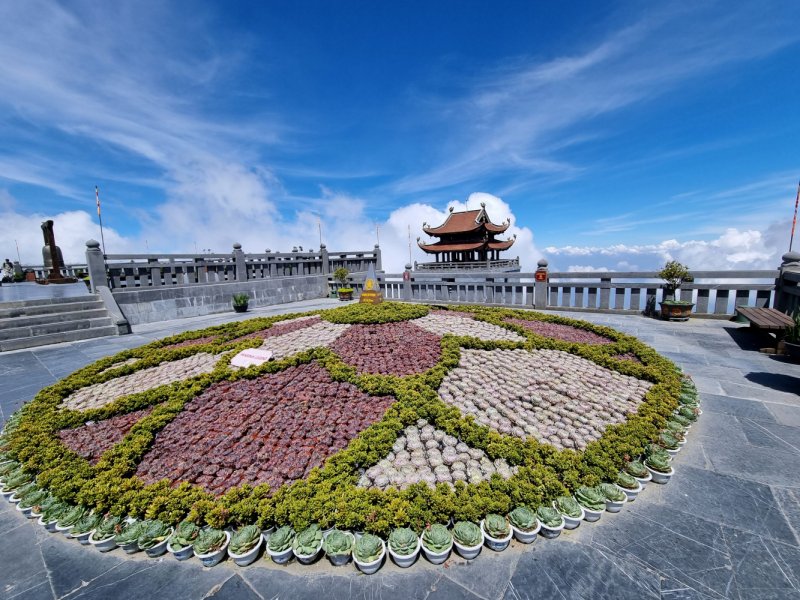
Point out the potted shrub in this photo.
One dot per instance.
(245, 544)
(338, 546)
(436, 543)
(279, 546)
(468, 539)
(342, 275)
(155, 538)
(524, 523)
(240, 302)
(497, 532)
(181, 542)
(307, 544)
(615, 498)
(103, 537)
(592, 501)
(211, 546)
(551, 520)
(368, 553)
(128, 538)
(85, 527)
(629, 485)
(791, 339)
(675, 275)
(571, 511)
(403, 547)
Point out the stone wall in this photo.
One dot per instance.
(152, 304)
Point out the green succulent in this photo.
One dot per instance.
(652, 450)
(436, 538)
(567, 505)
(26, 489)
(681, 419)
(637, 469)
(245, 539)
(210, 540)
(591, 498)
(403, 541)
(368, 548)
(86, 524)
(308, 541)
(281, 540)
(549, 517)
(467, 533)
(674, 426)
(33, 499)
(108, 528)
(130, 533)
(658, 463)
(523, 518)
(72, 516)
(155, 533)
(337, 543)
(668, 441)
(688, 413)
(43, 505)
(185, 534)
(497, 526)
(627, 481)
(55, 511)
(8, 468)
(612, 492)
(16, 479)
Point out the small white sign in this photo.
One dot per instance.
(246, 358)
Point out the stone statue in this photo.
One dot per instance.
(51, 254)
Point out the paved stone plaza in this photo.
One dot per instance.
(726, 526)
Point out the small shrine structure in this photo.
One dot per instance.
(467, 241)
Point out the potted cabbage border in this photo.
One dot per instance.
(30, 501)
(68, 519)
(436, 543)
(368, 553)
(614, 496)
(85, 527)
(639, 472)
(307, 544)
(675, 275)
(338, 546)
(181, 542)
(592, 501)
(279, 546)
(245, 544)
(211, 546)
(468, 539)
(404, 547)
(571, 511)
(657, 462)
(52, 514)
(128, 538)
(524, 524)
(155, 538)
(497, 532)
(629, 485)
(551, 520)
(103, 538)
(22, 491)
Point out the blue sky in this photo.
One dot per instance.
(614, 134)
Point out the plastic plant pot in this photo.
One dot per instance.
(552, 533)
(571, 522)
(24, 511)
(498, 545)
(213, 558)
(184, 553)
(307, 559)
(405, 561)
(470, 552)
(83, 538)
(437, 558)
(358, 534)
(103, 545)
(632, 494)
(659, 477)
(280, 558)
(672, 453)
(268, 532)
(524, 537)
(51, 526)
(7, 494)
(614, 506)
(64, 530)
(371, 567)
(644, 481)
(592, 515)
(131, 548)
(248, 557)
(13, 499)
(160, 548)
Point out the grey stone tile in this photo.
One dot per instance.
(675, 590)
(785, 414)
(707, 385)
(446, 589)
(789, 501)
(40, 590)
(715, 426)
(488, 575)
(764, 569)
(754, 392)
(235, 588)
(771, 435)
(762, 465)
(738, 407)
(685, 358)
(22, 566)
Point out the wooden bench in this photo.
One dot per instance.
(766, 318)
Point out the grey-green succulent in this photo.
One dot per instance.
(26, 489)
(591, 498)
(308, 541)
(567, 505)
(281, 540)
(436, 538)
(681, 419)
(40, 507)
(54, 511)
(16, 479)
(676, 427)
(245, 539)
(72, 516)
(467, 534)
(612, 492)
(32, 499)
(658, 463)
(523, 518)
(637, 469)
(627, 481)
(108, 528)
(497, 526)
(655, 450)
(155, 533)
(185, 534)
(87, 523)
(549, 517)
(368, 548)
(403, 541)
(130, 533)
(337, 543)
(210, 540)
(668, 441)
(688, 413)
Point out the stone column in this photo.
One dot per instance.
(326, 266)
(784, 301)
(378, 264)
(240, 261)
(95, 265)
(17, 268)
(540, 287)
(407, 282)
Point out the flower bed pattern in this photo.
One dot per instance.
(194, 342)
(92, 440)
(558, 331)
(117, 365)
(443, 324)
(389, 348)
(552, 396)
(628, 356)
(322, 334)
(428, 455)
(100, 394)
(281, 328)
(273, 430)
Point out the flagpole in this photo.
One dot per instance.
(794, 222)
(409, 244)
(319, 222)
(18, 256)
(377, 231)
(100, 218)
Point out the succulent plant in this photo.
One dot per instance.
(15, 479)
(403, 541)
(245, 539)
(210, 540)
(523, 518)
(108, 528)
(688, 413)
(674, 426)
(72, 516)
(681, 419)
(627, 481)
(337, 543)
(54, 511)
(281, 540)
(467, 533)
(497, 526)
(368, 548)
(33, 499)
(612, 492)
(86, 524)
(657, 462)
(591, 498)
(7, 468)
(549, 517)
(185, 534)
(308, 541)
(26, 489)
(567, 505)
(155, 533)
(436, 538)
(637, 469)
(131, 532)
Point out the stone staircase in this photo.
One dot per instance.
(29, 323)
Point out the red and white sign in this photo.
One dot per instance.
(406, 276)
(541, 275)
(246, 358)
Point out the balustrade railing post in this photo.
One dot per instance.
(379, 264)
(407, 282)
(605, 293)
(540, 286)
(785, 301)
(95, 265)
(240, 262)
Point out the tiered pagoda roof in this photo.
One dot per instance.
(469, 231)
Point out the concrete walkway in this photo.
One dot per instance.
(726, 526)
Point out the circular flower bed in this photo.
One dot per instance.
(504, 418)
(561, 332)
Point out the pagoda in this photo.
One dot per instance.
(467, 241)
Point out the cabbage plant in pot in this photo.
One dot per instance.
(436, 543)
(524, 524)
(658, 465)
(615, 498)
(338, 546)
(403, 547)
(103, 537)
(30, 501)
(245, 544)
(592, 501)
(85, 527)
(155, 538)
(52, 514)
(279, 546)
(675, 275)
(368, 553)
(629, 485)
(551, 520)
(20, 493)
(307, 544)
(68, 519)
(497, 532)
(571, 511)
(468, 539)
(180, 543)
(128, 538)
(211, 546)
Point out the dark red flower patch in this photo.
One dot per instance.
(561, 332)
(280, 328)
(389, 348)
(203, 340)
(91, 441)
(628, 356)
(273, 430)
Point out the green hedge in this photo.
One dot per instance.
(329, 495)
